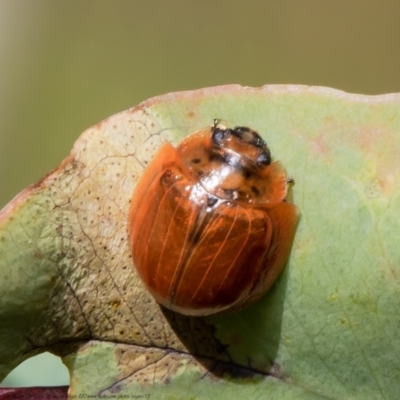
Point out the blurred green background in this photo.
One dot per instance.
(66, 65)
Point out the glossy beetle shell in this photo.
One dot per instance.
(209, 227)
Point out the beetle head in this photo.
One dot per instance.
(242, 141)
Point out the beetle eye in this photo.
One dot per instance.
(217, 135)
(264, 159)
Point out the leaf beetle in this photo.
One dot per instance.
(209, 225)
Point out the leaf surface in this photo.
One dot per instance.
(329, 328)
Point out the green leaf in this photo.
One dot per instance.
(329, 328)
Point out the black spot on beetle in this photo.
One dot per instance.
(255, 190)
(247, 173)
(215, 157)
(264, 159)
(211, 201)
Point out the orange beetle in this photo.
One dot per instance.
(209, 227)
